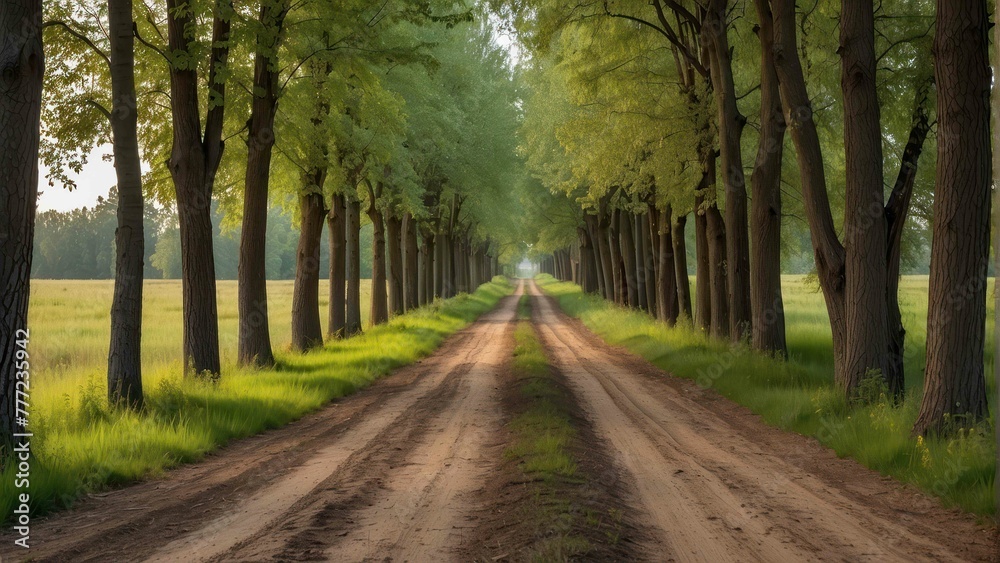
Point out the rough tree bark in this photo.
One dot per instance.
(353, 235)
(681, 266)
(865, 310)
(829, 253)
(254, 347)
(626, 238)
(643, 264)
(703, 269)
(590, 220)
(650, 258)
(604, 247)
(394, 233)
(896, 211)
(617, 269)
(124, 354)
(730, 123)
(21, 71)
(767, 304)
(667, 294)
(954, 384)
(380, 305)
(410, 271)
(307, 332)
(194, 161)
(429, 253)
(715, 233)
(337, 224)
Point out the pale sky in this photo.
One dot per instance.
(95, 180)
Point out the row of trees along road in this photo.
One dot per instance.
(644, 114)
(399, 113)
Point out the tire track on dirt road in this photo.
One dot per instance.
(714, 483)
(255, 496)
(409, 494)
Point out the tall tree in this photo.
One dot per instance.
(768, 329)
(730, 124)
(124, 355)
(353, 253)
(337, 224)
(195, 157)
(380, 301)
(254, 345)
(954, 384)
(865, 267)
(21, 73)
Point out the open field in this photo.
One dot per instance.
(70, 324)
(799, 395)
(81, 445)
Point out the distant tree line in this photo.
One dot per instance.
(80, 244)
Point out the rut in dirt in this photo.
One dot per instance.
(713, 483)
(393, 471)
(412, 469)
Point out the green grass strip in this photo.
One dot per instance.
(82, 446)
(800, 396)
(542, 437)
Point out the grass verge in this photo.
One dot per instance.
(544, 440)
(81, 446)
(799, 395)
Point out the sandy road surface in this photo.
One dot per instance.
(400, 472)
(715, 484)
(391, 471)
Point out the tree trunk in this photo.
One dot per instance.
(429, 253)
(651, 260)
(627, 242)
(896, 211)
(954, 384)
(337, 223)
(194, 160)
(307, 333)
(588, 274)
(715, 233)
(828, 251)
(767, 304)
(124, 355)
(410, 271)
(703, 268)
(604, 247)
(353, 265)
(254, 334)
(667, 293)
(718, 285)
(730, 123)
(595, 253)
(865, 307)
(617, 270)
(379, 313)
(640, 261)
(394, 233)
(20, 118)
(681, 267)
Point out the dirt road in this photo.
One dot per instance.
(716, 484)
(404, 471)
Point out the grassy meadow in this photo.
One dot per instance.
(81, 446)
(70, 324)
(800, 395)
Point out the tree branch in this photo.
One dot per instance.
(83, 38)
